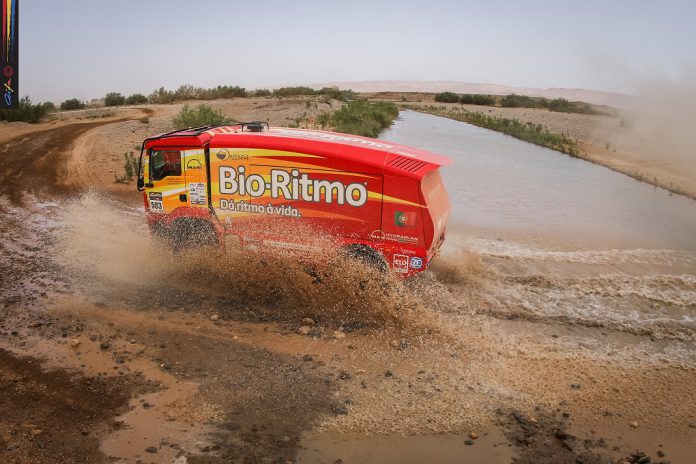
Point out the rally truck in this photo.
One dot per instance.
(264, 187)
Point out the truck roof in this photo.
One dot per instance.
(383, 155)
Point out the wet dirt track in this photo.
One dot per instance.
(37, 162)
(114, 351)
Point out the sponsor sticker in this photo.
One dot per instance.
(400, 263)
(416, 262)
(197, 193)
(156, 203)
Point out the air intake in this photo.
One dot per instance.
(406, 164)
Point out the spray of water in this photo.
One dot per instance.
(108, 244)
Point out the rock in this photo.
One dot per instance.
(205, 446)
(692, 425)
(339, 409)
(180, 460)
(660, 453)
(151, 449)
(74, 343)
(147, 405)
(337, 334)
(388, 374)
(575, 386)
(307, 358)
(308, 321)
(215, 317)
(105, 345)
(468, 442)
(633, 424)
(399, 344)
(344, 375)
(304, 330)
(473, 435)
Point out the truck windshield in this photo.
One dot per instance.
(165, 163)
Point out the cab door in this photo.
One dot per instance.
(196, 178)
(166, 189)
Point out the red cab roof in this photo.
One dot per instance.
(380, 155)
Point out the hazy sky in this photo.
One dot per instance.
(85, 48)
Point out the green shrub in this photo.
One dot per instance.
(50, 107)
(521, 101)
(202, 115)
(136, 99)
(161, 96)
(293, 91)
(334, 93)
(130, 165)
(114, 99)
(562, 105)
(362, 118)
(477, 99)
(72, 104)
(262, 93)
(447, 97)
(186, 92)
(26, 111)
(230, 91)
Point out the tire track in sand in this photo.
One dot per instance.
(39, 161)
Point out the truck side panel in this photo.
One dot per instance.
(266, 190)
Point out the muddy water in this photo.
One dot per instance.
(561, 239)
(500, 183)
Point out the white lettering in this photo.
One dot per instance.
(227, 183)
(329, 188)
(291, 186)
(350, 194)
(280, 181)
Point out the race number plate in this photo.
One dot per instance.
(156, 204)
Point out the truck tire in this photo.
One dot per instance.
(367, 255)
(187, 233)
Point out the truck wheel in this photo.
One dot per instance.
(367, 255)
(192, 233)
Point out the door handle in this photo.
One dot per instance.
(182, 197)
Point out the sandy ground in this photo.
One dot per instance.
(113, 350)
(629, 142)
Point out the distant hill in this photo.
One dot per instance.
(596, 97)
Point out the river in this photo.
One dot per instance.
(500, 184)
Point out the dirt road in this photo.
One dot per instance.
(113, 350)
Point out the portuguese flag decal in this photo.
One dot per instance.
(402, 219)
